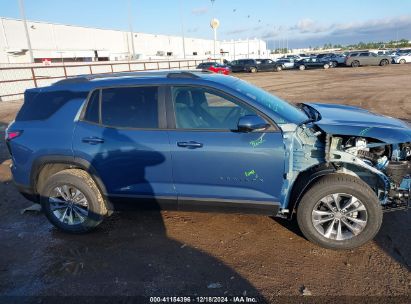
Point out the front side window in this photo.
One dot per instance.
(131, 107)
(202, 108)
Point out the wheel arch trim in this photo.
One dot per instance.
(303, 182)
(71, 162)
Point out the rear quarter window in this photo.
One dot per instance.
(42, 105)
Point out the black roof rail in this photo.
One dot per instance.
(70, 80)
(183, 74)
(166, 73)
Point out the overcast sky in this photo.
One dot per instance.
(304, 23)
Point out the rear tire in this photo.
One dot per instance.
(324, 211)
(402, 61)
(384, 62)
(326, 66)
(355, 64)
(72, 201)
(253, 70)
(302, 67)
(278, 68)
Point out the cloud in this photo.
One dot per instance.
(236, 31)
(200, 11)
(376, 26)
(308, 25)
(310, 32)
(193, 30)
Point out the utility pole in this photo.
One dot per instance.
(234, 49)
(23, 16)
(130, 24)
(182, 29)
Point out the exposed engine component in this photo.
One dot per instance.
(397, 170)
(392, 163)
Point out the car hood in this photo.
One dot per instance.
(350, 120)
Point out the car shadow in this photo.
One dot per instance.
(130, 253)
(392, 237)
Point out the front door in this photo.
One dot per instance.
(213, 164)
(120, 136)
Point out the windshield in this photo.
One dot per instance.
(284, 111)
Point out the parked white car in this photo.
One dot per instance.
(403, 58)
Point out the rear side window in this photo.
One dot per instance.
(134, 107)
(41, 106)
(93, 112)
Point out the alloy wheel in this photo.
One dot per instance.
(69, 205)
(339, 216)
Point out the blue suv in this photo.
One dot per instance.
(179, 140)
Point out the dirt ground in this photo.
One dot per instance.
(175, 253)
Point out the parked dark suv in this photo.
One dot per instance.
(255, 65)
(199, 141)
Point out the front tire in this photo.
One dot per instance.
(402, 61)
(302, 67)
(72, 201)
(339, 211)
(253, 70)
(326, 66)
(278, 68)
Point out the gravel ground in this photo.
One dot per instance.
(176, 253)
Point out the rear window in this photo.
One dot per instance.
(42, 105)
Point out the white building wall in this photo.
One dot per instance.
(66, 41)
(248, 48)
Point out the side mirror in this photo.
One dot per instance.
(250, 123)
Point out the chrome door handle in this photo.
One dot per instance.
(189, 144)
(92, 140)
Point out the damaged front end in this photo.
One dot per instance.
(349, 140)
(384, 167)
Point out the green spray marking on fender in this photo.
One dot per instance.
(249, 173)
(365, 131)
(257, 142)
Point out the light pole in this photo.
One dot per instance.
(130, 24)
(23, 16)
(182, 29)
(214, 23)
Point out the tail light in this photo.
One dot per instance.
(10, 135)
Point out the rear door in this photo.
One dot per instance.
(364, 58)
(214, 166)
(374, 59)
(121, 136)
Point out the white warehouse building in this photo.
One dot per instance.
(68, 43)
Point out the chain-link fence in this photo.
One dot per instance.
(15, 80)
